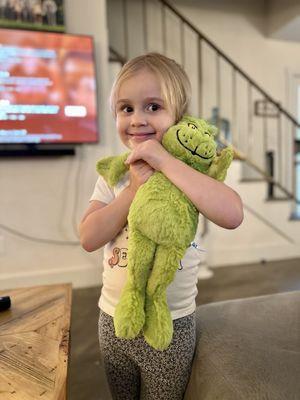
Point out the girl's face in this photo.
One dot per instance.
(141, 113)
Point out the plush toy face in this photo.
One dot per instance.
(192, 141)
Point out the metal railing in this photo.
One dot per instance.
(246, 115)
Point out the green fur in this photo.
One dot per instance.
(162, 223)
(112, 168)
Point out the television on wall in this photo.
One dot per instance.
(47, 89)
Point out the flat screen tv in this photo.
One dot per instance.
(47, 88)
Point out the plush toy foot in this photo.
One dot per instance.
(129, 315)
(158, 329)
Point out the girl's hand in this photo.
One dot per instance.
(150, 151)
(140, 172)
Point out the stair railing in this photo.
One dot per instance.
(246, 115)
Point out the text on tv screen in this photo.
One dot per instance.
(47, 88)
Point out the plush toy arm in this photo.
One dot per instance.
(220, 164)
(112, 168)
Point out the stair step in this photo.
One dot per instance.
(264, 211)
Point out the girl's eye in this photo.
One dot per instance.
(153, 107)
(193, 126)
(126, 109)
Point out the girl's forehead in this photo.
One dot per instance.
(144, 78)
(140, 85)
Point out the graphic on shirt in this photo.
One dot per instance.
(195, 246)
(126, 230)
(119, 257)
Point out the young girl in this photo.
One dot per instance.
(150, 94)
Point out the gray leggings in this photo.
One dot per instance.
(135, 370)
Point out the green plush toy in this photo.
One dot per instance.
(162, 223)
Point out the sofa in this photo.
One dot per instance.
(247, 349)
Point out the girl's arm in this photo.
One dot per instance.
(102, 222)
(215, 200)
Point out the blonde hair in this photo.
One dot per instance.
(174, 82)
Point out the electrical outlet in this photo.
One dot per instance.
(1, 245)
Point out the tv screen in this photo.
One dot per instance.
(47, 88)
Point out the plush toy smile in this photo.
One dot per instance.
(205, 150)
(162, 223)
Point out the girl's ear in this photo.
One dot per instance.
(113, 168)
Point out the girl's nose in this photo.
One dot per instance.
(138, 119)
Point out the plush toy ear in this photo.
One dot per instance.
(112, 168)
(213, 130)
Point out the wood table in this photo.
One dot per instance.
(34, 343)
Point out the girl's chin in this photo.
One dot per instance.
(135, 141)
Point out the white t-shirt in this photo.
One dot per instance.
(181, 293)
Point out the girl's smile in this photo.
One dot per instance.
(141, 136)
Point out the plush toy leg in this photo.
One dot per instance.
(129, 315)
(158, 329)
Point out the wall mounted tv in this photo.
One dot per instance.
(47, 89)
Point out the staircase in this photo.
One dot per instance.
(261, 131)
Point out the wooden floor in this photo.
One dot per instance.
(86, 375)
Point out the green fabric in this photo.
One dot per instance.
(162, 223)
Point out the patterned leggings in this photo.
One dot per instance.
(137, 371)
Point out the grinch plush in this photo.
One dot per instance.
(162, 223)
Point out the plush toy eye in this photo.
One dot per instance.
(207, 133)
(193, 126)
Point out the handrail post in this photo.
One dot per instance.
(295, 215)
(270, 172)
(125, 13)
(163, 26)
(145, 25)
(200, 82)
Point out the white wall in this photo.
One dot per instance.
(239, 29)
(38, 195)
(266, 234)
(283, 20)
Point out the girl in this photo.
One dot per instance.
(150, 94)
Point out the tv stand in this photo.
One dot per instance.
(35, 150)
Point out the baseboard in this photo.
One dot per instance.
(79, 276)
(87, 275)
(252, 180)
(220, 257)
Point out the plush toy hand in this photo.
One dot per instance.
(112, 168)
(220, 164)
